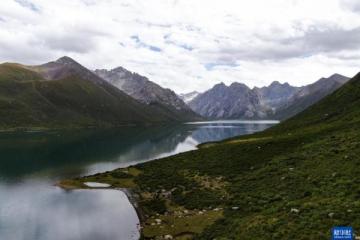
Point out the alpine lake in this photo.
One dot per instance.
(33, 208)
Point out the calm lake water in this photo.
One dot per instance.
(32, 208)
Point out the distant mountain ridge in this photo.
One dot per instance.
(309, 95)
(229, 102)
(275, 94)
(148, 92)
(276, 101)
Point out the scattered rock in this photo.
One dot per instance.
(168, 237)
(291, 169)
(158, 221)
(294, 210)
(331, 215)
(166, 194)
(235, 208)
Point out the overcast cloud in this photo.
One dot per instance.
(189, 45)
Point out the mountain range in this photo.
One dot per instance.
(276, 101)
(264, 186)
(65, 94)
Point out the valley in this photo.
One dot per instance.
(298, 178)
(179, 120)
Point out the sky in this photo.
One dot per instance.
(189, 45)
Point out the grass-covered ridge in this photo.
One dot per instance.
(76, 99)
(294, 181)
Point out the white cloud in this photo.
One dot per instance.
(352, 5)
(189, 45)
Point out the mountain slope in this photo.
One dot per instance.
(229, 102)
(309, 95)
(296, 180)
(150, 93)
(64, 94)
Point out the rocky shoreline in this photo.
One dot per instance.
(159, 215)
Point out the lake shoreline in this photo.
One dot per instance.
(134, 201)
(152, 223)
(158, 213)
(131, 194)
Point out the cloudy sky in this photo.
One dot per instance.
(189, 44)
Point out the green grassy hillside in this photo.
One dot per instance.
(27, 100)
(294, 181)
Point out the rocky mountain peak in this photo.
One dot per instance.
(66, 60)
(239, 86)
(219, 86)
(120, 69)
(275, 83)
(338, 78)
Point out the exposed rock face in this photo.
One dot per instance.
(276, 101)
(188, 97)
(148, 92)
(229, 102)
(276, 94)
